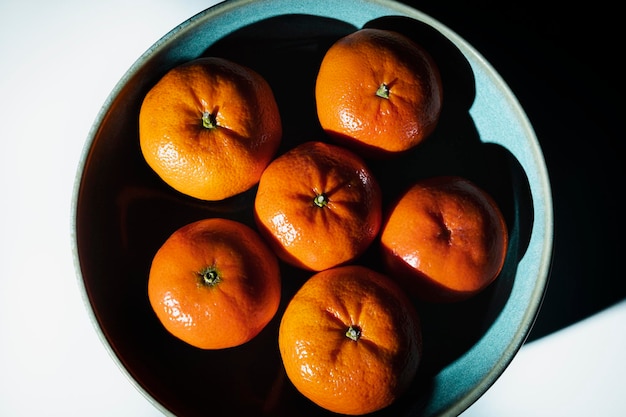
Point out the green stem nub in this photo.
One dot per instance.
(208, 120)
(210, 276)
(383, 91)
(320, 200)
(353, 333)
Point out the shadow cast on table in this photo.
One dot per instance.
(574, 103)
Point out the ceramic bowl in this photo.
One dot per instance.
(124, 212)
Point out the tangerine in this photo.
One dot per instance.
(350, 340)
(209, 128)
(214, 284)
(378, 92)
(318, 206)
(445, 239)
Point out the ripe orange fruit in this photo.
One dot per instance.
(445, 239)
(214, 284)
(378, 92)
(209, 128)
(350, 340)
(318, 206)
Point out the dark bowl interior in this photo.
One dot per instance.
(124, 212)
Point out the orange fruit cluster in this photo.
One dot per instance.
(350, 337)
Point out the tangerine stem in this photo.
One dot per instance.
(208, 120)
(353, 333)
(320, 200)
(210, 276)
(383, 91)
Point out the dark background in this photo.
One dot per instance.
(564, 64)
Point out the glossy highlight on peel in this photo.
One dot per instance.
(209, 127)
(445, 239)
(318, 206)
(214, 284)
(350, 340)
(378, 93)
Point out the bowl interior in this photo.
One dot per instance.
(124, 212)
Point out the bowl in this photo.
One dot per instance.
(123, 212)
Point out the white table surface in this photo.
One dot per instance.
(60, 60)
